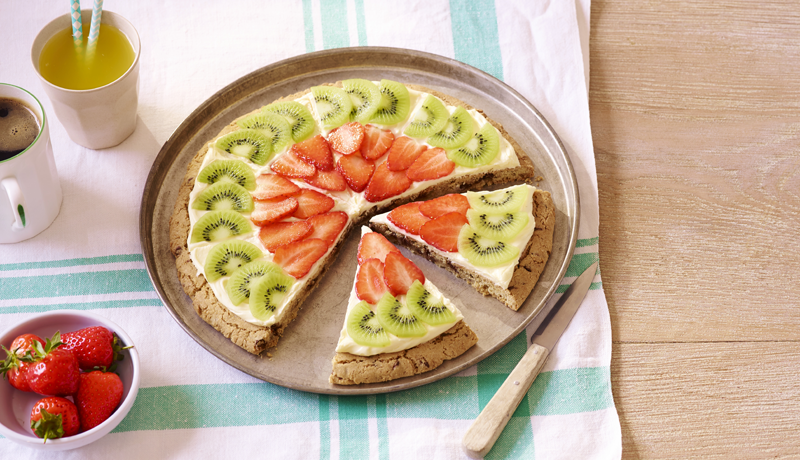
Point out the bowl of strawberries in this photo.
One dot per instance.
(70, 377)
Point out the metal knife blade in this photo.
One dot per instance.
(485, 430)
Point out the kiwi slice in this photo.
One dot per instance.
(480, 150)
(273, 126)
(224, 196)
(395, 103)
(238, 287)
(333, 106)
(499, 201)
(365, 97)
(225, 258)
(397, 318)
(427, 308)
(216, 226)
(500, 227)
(247, 143)
(429, 119)
(458, 129)
(363, 327)
(482, 251)
(297, 115)
(267, 293)
(233, 171)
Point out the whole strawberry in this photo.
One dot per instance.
(94, 346)
(53, 371)
(98, 396)
(54, 417)
(14, 367)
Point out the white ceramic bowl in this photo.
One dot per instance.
(15, 405)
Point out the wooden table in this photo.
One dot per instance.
(695, 111)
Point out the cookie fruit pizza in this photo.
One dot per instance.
(266, 204)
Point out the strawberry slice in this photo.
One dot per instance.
(328, 226)
(297, 258)
(370, 285)
(356, 171)
(403, 152)
(374, 246)
(376, 142)
(385, 184)
(442, 232)
(445, 204)
(275, 209)
(311, 202)
(290, 165)
(272, 186)
(277, 234)
(408, 217)
(432, 164)
(315, 151)
(399, 273)
(347, 138)
(328, 180)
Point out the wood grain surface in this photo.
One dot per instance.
(695, 111)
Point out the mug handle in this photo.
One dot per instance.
(16, 198)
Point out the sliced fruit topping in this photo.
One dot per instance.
(480, 150)
(501, 227)
(347, 139)
(456, 132)
(224, 196)
(328, 226)
(272, 186)
(395, 103)
(408, 217)
(498, 201)
(315, 151)
(238, 286)
(376, 142)
(374, 246)
(356, 171)
(247, 143)
(442, 232)
(297, 258)
(328, 180)
(397, 319)
(273, 210)
(399, 273)
(445, 204)
(273, 126)
(216, 226)
(432, 164)
(429, 119)
(298, 116)
(403, 152)
(365, 97)
(233, 171)
(224, 258)
(311, 202)
(267, 294)
(363, 327)
(482, 251)
(426, 307)
(386, 184)
(277, 234)
(370, 285)
(333, 105)
(290, 165)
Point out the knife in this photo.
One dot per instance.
(480, 437)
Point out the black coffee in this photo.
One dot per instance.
(19, 127)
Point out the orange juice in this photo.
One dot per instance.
(66, 65)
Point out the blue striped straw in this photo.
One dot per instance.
(75, 18)
(94, 30)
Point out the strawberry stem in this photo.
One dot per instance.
(50, 426)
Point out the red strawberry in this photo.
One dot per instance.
(408, 217)
(54, 417)
(432, 164)
(53, 370)
(277, 234)
(442, 232)
(275, 209)
(445, 204)
(315, 151)
(347, 138)
(399, 273)
(98, 397)
(328, 226)
(356, 171)
(369, 281)
(94, 346)
(290, 165)
(311, 202)
(374, 246)
(386, 184)
(272, 186)
(403, 152)
(376, 142)
(14, 367)
(298, 257)
(328, 180)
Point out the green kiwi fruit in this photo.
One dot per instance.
(271, 125)
(247, 143)
(456, 132)
(397, 319)
(483, 251)
(297, 115)
(395, 103)
(427, 308)
(429, 119)
(224, 258)
(363, 327)
(216, 226)
(267, 293)
(480, 150)
(233, 171)
(365, 97)
(238, 286)
(333, 106)
(224, 196)
(500, 227)
(498, 201)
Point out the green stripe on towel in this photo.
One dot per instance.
(69, 284)
(335, 32)
(73, 262)
(38, 308)
(475, 36)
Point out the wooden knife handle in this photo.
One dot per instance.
(487, 427)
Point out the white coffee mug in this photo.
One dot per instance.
(30, 192)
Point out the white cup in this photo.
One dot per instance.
(101, 117)
(30, 192)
